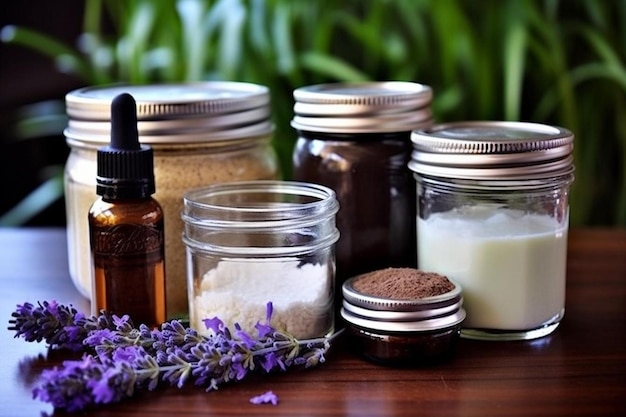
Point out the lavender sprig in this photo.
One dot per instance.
(128, 358)
(60, 326)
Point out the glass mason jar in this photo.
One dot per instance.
(355, 139)
(201, 134)
(493, 215)
(255, 242)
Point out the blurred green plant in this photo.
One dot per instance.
(550, 61)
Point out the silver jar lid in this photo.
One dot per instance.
(406, 315)
(174, 113)
(368, 107)
(492, 150)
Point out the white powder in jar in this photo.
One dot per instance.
(237, 291)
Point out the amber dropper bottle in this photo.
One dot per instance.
(126, 225)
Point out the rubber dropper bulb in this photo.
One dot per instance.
(124, 135)
(125, 167)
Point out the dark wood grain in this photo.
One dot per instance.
(580, 370)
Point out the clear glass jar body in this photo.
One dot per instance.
(177, 168)
(376, 194)
(505, 242)
(254, 243)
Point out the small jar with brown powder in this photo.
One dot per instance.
(403, 316)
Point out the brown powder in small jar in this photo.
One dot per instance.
(402, 284)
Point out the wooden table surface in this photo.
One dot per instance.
(580, 370)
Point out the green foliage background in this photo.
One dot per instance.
(550, 61)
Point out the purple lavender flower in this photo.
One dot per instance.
(78, 385)
(266, 398)
(128, 358)
(64, 387)
(121, 322)
(75, 331)
(60, 326)
(52, 307)
(247, 340)
(100, 337)
(270, 361)
(47, 321)
(214, 324)
(265, 329)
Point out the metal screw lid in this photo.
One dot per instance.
(368, 107)
(174, 113)
(406, 315)
(492, 150)
(436, 323)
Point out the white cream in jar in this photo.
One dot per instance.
(492, 214)
(511, 265)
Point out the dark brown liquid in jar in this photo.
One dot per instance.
(376, 194)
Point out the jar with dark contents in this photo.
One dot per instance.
(403, 316)
(355, 139)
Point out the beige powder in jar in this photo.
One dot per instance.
(176, 169)
(201, 133)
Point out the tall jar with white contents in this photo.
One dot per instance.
(493, 215)
(201, 134)
(258, 242)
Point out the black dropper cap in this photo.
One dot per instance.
(125, 167)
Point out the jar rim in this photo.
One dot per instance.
(375, 303)
(242, 218)
(259, 204)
